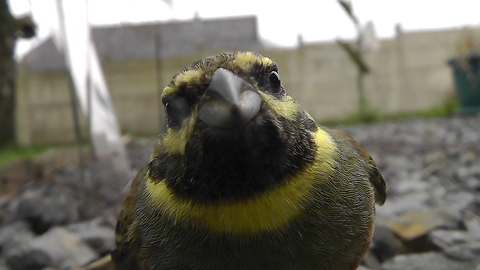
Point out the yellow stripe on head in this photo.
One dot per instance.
(191, 77)
(245, 60)
(268, 211)
(169, 90)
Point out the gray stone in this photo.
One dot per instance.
(468, 157)
(426, 261)
(44, 205)
(462, 172)
(3, 266)
(413, 228)
(472, 183)
(58, 248)
(442, 239)
(99, 237)
(464, 252)
(458, 201)
(384, 243)
(435, 156)
(370, 261)
(13, 235)
(400, 163)
(409, 186)
(361, 267)
(410, 202)
(472, 223)
(24, 258)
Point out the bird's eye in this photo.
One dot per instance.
(176, 110)
(275, 83)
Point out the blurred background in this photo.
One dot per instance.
(80, 111)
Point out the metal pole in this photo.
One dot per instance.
(76, 121)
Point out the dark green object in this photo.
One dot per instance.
(466, 73)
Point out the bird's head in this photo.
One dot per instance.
(231, 129)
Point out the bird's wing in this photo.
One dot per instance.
(126, 230)
(376, 179)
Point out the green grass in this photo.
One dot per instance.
(447, 109)
(17, 153)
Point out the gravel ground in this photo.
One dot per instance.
(430, 220)
(432, 169)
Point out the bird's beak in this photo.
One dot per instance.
(229, 101)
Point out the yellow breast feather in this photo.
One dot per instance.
(268, 211)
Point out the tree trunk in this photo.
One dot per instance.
(10, 29)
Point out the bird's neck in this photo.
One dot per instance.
(239, 167)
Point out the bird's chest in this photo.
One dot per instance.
(309, 241)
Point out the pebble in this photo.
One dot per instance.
(58, 248)
(427, 260)
(97, 236)
(13, 235)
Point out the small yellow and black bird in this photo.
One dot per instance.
(243, 178)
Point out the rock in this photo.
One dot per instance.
(472, 223)
(436, 156)
(49, 164)
(442, 239)
(469, 252)
(459, 201)
(474, 208)
(426, 261)
(413, 224)
(413, 228)
(468, 157)
(370, 261)
(139, 151)
(105, 263)
(99, 238)
(13, 235)
(472, 183)
(25, 259)
(44, 205)
(398, 205)
(3, 266)
(410, 186)
(400, 163)
(100, 189)
(384, 243)
(361, 267)
(58, 248)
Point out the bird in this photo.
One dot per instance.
(243, 178)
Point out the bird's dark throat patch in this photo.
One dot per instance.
(236, 164)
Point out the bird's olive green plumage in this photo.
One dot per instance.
(243, 178)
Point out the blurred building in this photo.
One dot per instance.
(409, 73)
(138, 61)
